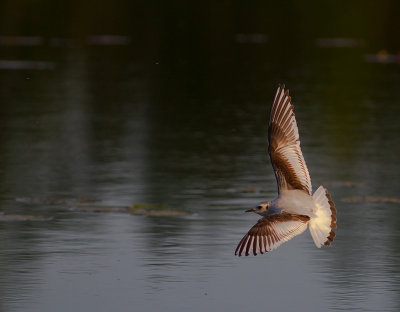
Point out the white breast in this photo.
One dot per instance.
(293, 201)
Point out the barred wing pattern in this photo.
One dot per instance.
(284, 146)
(270, 232)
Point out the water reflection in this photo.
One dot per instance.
(25, 65)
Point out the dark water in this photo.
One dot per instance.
(180, 134)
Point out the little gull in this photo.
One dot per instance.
(296, 207)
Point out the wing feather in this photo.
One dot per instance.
(284, 146)
(270, 232)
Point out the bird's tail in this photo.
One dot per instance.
(321, 226)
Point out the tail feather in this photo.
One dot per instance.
(321, 227)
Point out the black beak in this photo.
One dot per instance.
(250, 210)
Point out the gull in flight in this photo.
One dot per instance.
(295, 208)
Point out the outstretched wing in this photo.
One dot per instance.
(284, 146)
(270, 232)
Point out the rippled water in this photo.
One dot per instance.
(102, 128)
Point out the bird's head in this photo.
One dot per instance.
(260, 209)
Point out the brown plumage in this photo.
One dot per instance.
(271, 231)
(296, 207)
(332, 234)
(291, 173)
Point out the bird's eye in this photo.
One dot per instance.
(259, 207)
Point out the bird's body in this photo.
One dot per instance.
(293, 201)
(296, 207)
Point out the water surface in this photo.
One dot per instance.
(187, 132)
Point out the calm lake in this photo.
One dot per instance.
(124, 175)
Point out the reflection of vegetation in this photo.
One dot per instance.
(13, 217)
(152, 210)
(371, 199)
(204, 24)
(53, 200)
(345, 183)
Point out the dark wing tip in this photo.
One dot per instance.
(282, 86)
(247, 246)
(241, 245)
(264, 237)
(330, 238)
